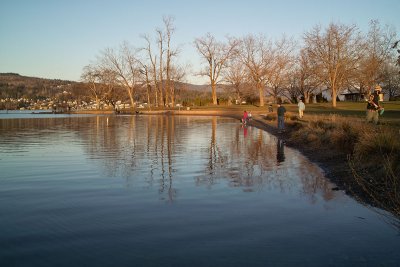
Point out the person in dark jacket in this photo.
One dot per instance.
(281, 117)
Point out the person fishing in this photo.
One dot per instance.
(373, 106)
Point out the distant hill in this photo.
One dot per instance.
(14, 79)
(17, 86)
(196, 87)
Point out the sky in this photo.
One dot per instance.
(55, 39)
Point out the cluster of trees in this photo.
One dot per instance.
(153, 69)
(335, 58)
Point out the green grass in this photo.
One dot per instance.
(390, 117)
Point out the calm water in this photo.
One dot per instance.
(173, 191)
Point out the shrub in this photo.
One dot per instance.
(373, 154)
(376, 167)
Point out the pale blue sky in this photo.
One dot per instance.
(56, 38)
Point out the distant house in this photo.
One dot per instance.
(353, 95)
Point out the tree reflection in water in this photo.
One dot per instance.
(168, 153)
(211, 148)
(194, 185)
(156, 151)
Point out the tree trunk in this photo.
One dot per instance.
(172, 95)
(306, 97)
(131, 97)
(334, 96)
(214, 92)
(261, 93)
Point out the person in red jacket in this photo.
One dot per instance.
(245, 117)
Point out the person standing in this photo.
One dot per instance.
(302, 107)
(245, 116)
(373, 106)
(281, 118)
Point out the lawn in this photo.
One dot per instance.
(391, 116)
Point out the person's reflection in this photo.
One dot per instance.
(244, 130)
(280, 153)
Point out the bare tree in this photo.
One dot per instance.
(304, 78)
(125, 65)
(170, 54)
(92, 76)
(398, 52)
(235, 75)
(335, 54)
(152, 69)
(257, 55)
(147, 81)
(160, 42)
(108, 80)
(282, 60)
(391, 80)
(377, 52)
(216, 54)
(161, 63)
(176, 74)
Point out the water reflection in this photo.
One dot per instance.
(244, 130)
(132, 188)
(157, 150)
(280, 153)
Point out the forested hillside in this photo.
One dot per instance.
(13, 85)
(17, 91)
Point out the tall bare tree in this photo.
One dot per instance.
(152, 69)
(216, 54)
(282, 60)
(147, 82)
(92, 76)
(176, 74)
(391, 80)
(170, 54)
(108, 80)
(257, 55)
(395, 45)
(235, 75)
(334, 54)
(306, 81)
(160, 42)
(125, 65)
(377, 52)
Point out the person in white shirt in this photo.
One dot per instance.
(302, 107)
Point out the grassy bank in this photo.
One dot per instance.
(363, 159)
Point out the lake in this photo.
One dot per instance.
(143, 190)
